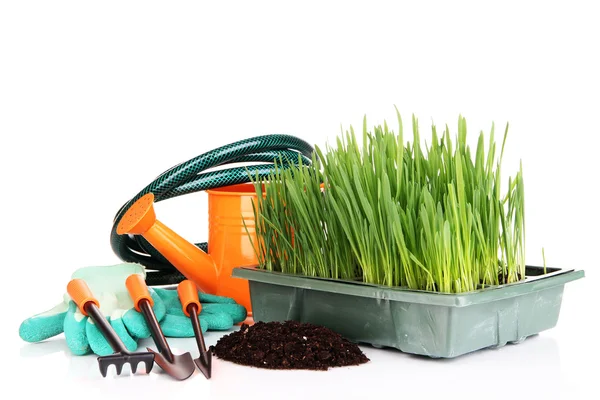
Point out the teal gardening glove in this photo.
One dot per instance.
(217, 314)
(107, 283)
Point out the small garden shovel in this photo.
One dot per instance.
(178, 366)
(188, 295)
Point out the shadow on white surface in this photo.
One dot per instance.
(532, 368)
(507, 371)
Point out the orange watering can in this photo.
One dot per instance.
(230, 236)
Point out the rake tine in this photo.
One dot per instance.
(134, 367)
(149, 365)
(103, 368)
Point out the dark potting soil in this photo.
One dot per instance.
(503, 279)
(288, 345)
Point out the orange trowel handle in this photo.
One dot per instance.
(89, 306)
(136, 286)
(81, 295)
(188, 294)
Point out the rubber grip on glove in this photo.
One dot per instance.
(188, 294)
(136, 286)
(81, 294)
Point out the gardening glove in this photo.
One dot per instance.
(218, 314)
(82, 336)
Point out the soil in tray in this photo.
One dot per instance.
(288, 345)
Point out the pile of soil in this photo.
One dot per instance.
(288, 345)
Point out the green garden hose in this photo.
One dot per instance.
(192, 176)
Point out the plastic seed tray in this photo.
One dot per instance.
(417, 322)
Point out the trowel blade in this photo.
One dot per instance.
(204, 363)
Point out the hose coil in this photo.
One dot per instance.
(193, 176)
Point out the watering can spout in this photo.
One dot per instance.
(193, 263)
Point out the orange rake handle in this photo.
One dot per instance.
(138, 290)
(188, 294)
(81, 294)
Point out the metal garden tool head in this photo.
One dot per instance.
(89, 306)
(178, 366)
(230, 238)
(188, 295)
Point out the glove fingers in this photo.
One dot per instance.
(218, 313)
(217, 322)
(100, 345)
(36, 329)
(136, 323)
(166, 295)
(171, 302)
(211, 298)
(44, 325)
(170, 296)
(116, 321)
(74, 328)
(236, 312)
(180, 326)
(160, 310)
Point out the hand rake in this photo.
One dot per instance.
(89, 306)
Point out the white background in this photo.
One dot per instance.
(98, 98)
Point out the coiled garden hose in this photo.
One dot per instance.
(192, 176)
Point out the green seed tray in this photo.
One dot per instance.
(436, 325)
